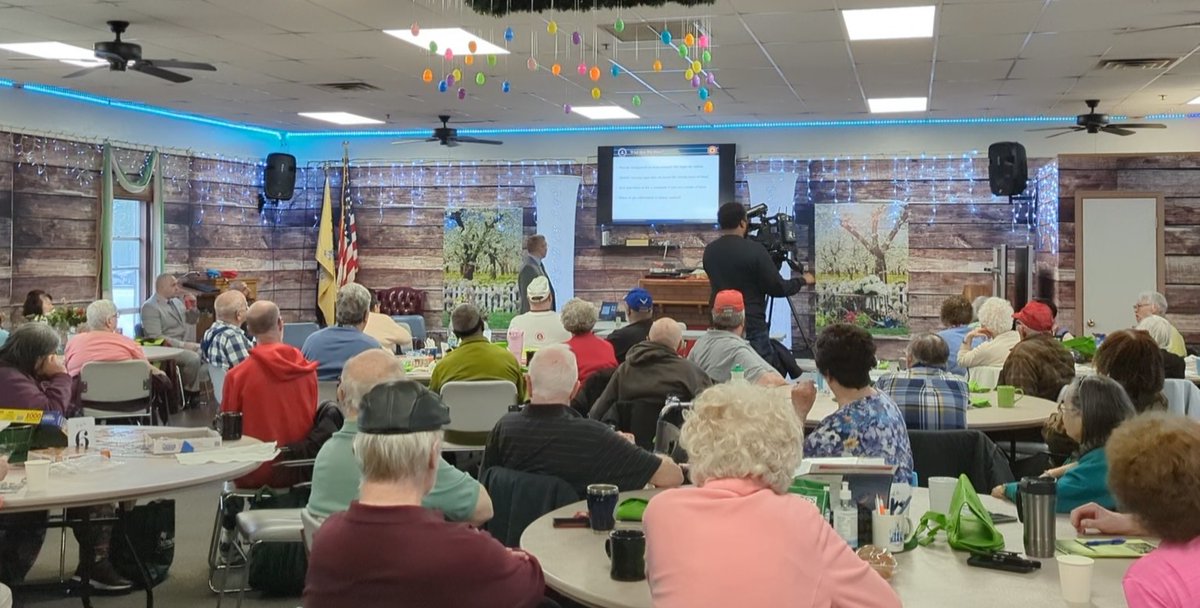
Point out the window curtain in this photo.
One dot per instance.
(149, 177)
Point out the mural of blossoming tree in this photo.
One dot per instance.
(862, 266)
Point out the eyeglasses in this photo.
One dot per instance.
(1064, 407)
(1140, 305)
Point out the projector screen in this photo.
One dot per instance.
(663, 184)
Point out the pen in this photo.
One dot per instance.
(1107, 541)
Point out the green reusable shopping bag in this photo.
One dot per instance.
(968, 525)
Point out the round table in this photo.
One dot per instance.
(1029, 412)
(138, 477)
(575, 565)
(161, 353)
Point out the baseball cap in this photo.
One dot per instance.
(1035, 316)
(538, 290)
(400, 407)
(729, 300)
(639, 299)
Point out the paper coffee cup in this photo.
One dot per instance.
(1075, 577)
(37, 475)
(941, 493)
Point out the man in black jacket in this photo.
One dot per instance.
(735, 262)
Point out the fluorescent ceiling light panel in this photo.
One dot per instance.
(889, 23)
(883, 105)
(454, 38)
(341, 118)
(1195, 102)
(603, 112)
(74, 55)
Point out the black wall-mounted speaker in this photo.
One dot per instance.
(279, 181)
(1008, 171)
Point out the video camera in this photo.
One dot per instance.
(777, 233)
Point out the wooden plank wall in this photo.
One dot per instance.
(1177, 177)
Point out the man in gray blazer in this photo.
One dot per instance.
(166, 316)
(532, 268)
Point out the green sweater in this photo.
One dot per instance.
(1084, 483)
(477, 359)
(336, 479)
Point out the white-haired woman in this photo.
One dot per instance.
(996, 325)
(739, 538)
(1161, 330)
(592, 353)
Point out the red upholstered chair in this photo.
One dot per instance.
(405, 305)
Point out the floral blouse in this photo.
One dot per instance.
(871, 427)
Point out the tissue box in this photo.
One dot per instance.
(175, 441)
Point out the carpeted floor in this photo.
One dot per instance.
(187, 586)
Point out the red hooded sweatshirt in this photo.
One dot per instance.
(276, 392)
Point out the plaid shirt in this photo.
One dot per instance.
(930, 398)
(225, 345)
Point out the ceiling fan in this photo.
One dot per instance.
(1093, 122)
(448, 136)
(122, 56)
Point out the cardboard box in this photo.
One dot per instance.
(175, 441)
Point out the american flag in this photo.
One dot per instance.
(347, 256)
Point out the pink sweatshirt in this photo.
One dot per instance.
(735, 542)
(92, 346)
(1169, 577)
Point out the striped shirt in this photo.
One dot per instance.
(555, 440)
(225, 345)
(929, 398)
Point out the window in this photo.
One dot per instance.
(130, 261)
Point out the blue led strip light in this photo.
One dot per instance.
(877, 122)
(497, 131)
(7, 83)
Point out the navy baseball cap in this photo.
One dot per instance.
(639, 299)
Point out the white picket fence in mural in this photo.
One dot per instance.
(491, 298)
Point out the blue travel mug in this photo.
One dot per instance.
(602, 506)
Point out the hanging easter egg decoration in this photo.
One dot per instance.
(688, 74)
(703, 93)
(665, 37)
(432, 46)
(696, 67)
(711, 78)
(706, 57)
(508, 34)
(619, 26)
(449, 54)
(576, 38)
(556, 69)
(582, 68)
(450, 80)
(415, 29)
(462, 93)
(427, 75)
(637, 100)
(504, 86)
(457, 74)
(615, 71)
(469, 59)
(552, 27)
(695, 81)
(531, 63)
(657, 65)
(708, 107)
(480, 78)
(472, 46)
(442, 86)
(594, 73)
(683, 51)
(491, 60)
(703, 41)
(595, 92)
(566, 108)
(689, 39)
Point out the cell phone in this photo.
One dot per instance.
(571, 522)
(1003, 560)
(1000, 518)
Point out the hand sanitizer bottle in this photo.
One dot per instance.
(845, 517)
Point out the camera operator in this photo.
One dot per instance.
(733, 261)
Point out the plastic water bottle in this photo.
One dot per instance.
(738, 373)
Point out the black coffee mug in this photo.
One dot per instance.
(627, 550)
(229, 425)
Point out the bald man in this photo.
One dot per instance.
(653, 370)
(275, 388)
(169, 315)
(225, 344)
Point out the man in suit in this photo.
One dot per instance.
(532, 268)
(170, 318)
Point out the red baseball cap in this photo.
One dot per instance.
(1035, 316)
(729, 299)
